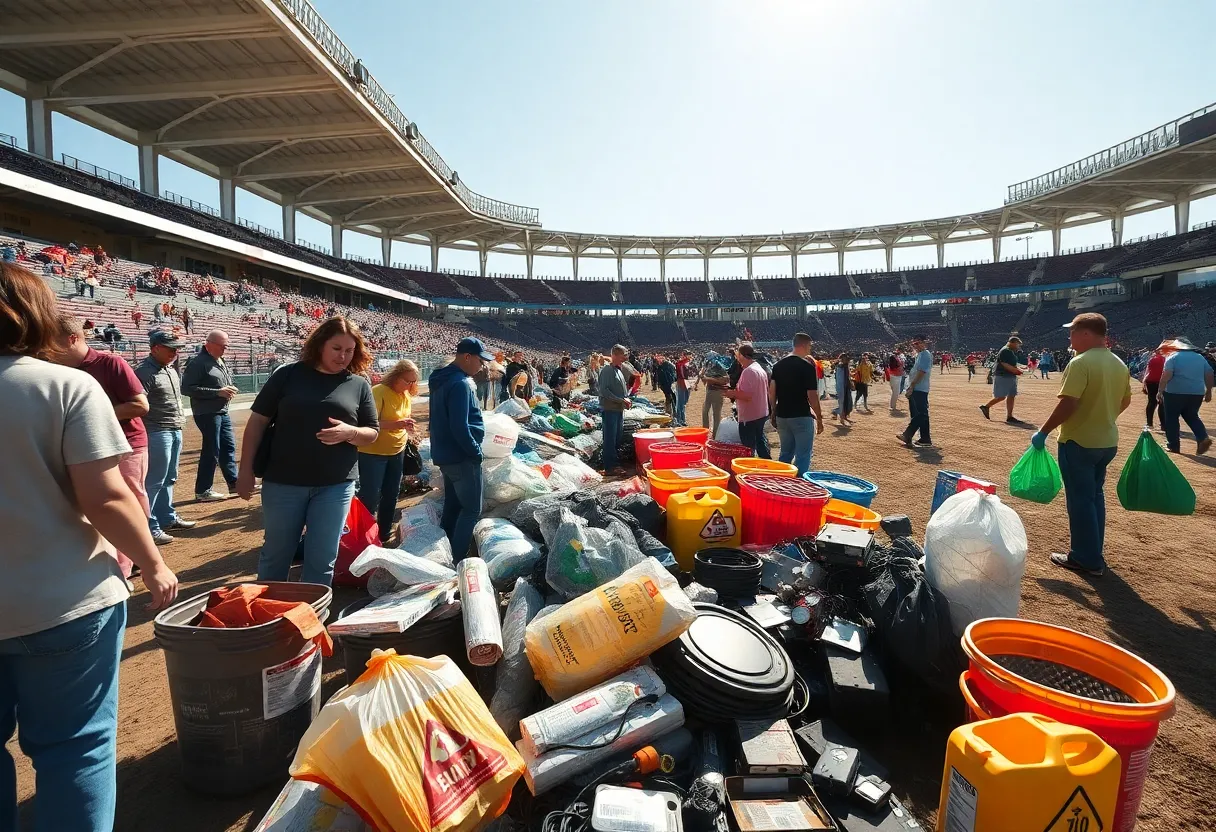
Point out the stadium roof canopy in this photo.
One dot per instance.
(264, 95)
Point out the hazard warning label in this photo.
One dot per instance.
(1077, 815)
(718, 527)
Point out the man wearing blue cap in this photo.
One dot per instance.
(456, 430)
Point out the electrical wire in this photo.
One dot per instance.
(648, 699)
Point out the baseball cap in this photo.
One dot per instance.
(473, 346)
(164, 338)
(1013, 338)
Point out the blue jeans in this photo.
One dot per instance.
(164, 448)
(462, 492)
(286, 510)
(59, 691)
(614, 423)
(752, 435)
(1187, 407)
(379, 486)
(797, 441)
(1084, 474)
(219, 447)
(681, 401)
(918, 411)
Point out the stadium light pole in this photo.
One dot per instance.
(1025, 237)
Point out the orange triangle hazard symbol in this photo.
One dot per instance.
(718, 527)
(1077, 815)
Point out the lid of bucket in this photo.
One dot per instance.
(785, 486)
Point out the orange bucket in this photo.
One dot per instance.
(851, 514)
(697, 436)
(1028, 666)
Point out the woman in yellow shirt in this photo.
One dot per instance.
(863, 375)
(380, 463)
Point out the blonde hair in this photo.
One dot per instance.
(400, 369)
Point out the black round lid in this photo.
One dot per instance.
(732, 648)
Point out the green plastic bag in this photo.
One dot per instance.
(567, 426)
(1152, 482)
(1036, 476)
(543, 410)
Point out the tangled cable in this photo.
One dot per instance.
(734, 573)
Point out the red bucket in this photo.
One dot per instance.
(643, 439)
(777, 508)
(669, 455)
(719, 454)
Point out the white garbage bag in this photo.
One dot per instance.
(728, 431)
(509, 553)
(975, 555)
(510, 479)
(502, 432)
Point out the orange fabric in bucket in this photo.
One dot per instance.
(244, 606)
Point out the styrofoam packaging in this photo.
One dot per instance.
(603, 705)
(479, 606)
(645, 723)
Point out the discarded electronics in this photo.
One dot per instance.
(775, 804)
(838, 545)
(768, 747)
(619, 809)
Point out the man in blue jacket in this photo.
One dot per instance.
(456, 431)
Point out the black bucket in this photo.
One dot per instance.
(439, 633)
(242, 697)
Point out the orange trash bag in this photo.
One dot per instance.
(411, 747)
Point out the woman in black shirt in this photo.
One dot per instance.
(321, 410)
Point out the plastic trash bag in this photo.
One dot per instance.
(1152, 482)
(411, 746)
(424, 513)
(588, 443)
(429, 542)
(1036, 476)
(515, 408)
(502, 432)
(728, 431)
(975, 555)
(510, 479)
(567, 426)
(408, 568)
(576, 471)
(582, 557)
(515, 686)
(507, 551)
(598, 635)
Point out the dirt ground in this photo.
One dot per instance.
(1157, 599)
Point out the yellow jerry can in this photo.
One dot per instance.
(1026, 772)
(701, 517)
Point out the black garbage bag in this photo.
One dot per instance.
(649, 514)
(912, 618)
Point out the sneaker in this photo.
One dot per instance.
(1204, 445)
(904, 440)
(211, 496)
(161, 538)
(257, 488)
(921, 443)
(984, 410)
(179, 523)
(1010, 420)
(1062, 560)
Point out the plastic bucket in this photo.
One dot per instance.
(695, 436)
(851, 514)
(667, 481)
(946, 487)
(242, 697)
(756, 465)
(438, 633)
(675, 454)
(1066, 658)
(777, 508)
(844, 487)
(722, 453)
(643, 439)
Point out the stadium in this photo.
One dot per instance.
(264, 96)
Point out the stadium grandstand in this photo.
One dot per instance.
(264, 96)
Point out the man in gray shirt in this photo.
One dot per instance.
(208, 384)
(614, 401)
(163, 422)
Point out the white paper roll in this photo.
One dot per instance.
(479, 606)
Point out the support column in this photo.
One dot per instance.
(434, 253)
(794, 264)
(228, 199)
(996, 246)
(335, 234)
(386, 250)
(839, 261)
(528, 258)
(149, 173)
(709, 287)
(890, 251)
(1055, 241)
(483, 257)
(1182, 214)
(289, 222)
(574, 259)
(39, 136)
(1116, 228)
(941, 254)
(620, 275)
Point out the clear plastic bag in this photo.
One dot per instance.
(510, 479)
(429, 542)
(576, 471)
(581, 557)
(408, 568)
(728, 431)
(411, 746)
(975, 555)
(423, 514)
(509, 553)
(514, 408)
(515, 686)
(502, 432)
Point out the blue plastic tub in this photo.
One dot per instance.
(947, 487)
(844, 487)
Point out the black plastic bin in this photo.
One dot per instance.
(439, 633)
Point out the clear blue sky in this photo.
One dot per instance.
(709, 116)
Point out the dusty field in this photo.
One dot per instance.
(1158, 599)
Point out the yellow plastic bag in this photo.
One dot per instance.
(602, 632)
(411, 747)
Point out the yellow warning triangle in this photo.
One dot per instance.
(1077, 815)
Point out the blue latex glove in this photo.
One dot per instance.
(1039, 439)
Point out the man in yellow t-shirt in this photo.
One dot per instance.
(1095, 390)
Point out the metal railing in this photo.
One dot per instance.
(11, 141)
(313, 247)
(92, 170)
(1201, 225)
(186, 202)
(1154, 141)
(261, 229)
(311, 22)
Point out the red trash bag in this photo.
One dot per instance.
(359, 532)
